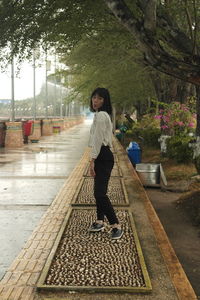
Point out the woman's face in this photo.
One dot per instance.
(97, 102)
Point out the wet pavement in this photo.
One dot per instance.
(30, 178)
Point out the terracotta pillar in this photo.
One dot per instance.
(47, 128)
(14, 135)
(36, 134)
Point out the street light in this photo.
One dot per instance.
(48, 68)
(34, 98)
(12, 91)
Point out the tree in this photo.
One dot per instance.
(164, 45)
(108, 59)
(25, 24)
(154, 26)
(168, 42)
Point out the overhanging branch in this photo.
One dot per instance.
(184, 68)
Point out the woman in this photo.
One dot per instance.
(102, 161)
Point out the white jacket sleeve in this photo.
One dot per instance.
(99, 134)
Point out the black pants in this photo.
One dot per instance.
(103, 167)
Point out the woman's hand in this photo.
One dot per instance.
(92, 171)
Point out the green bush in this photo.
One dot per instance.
(149, 136)
(178, 149)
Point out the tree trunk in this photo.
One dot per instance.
(198, 111)
(196, 146)
(185, 66)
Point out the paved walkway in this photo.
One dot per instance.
(167, 277)
(30, 179)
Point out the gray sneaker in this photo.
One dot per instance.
(116, 233)
(95, 227)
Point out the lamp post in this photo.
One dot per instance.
(46, 86)
(12, 91)
(34, 98)
(55, 91)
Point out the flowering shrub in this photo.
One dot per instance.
(176, 119)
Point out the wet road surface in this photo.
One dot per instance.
(30, 178)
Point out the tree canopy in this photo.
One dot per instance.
(168, 43)
(163, 35)
(108, 59)
(166, 32)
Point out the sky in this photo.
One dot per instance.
(23, 82)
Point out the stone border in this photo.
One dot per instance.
(74, 203)
(41, 282)
(86, 172)
(178, 277)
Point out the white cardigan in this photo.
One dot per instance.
(100, 133)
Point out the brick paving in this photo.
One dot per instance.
(21, 278)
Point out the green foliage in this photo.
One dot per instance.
(108, 60)
(146, 131)
(177, 119)
(146, 136)
(178, 149)
(148, 120)
(149, 136)
(101, 52)
(27, 24)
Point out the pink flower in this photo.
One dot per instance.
(164, 127)
(166, 118)
(180, 123)
(158, 117)
(191, 124)
(185, 109)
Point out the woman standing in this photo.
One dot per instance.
(102, 160)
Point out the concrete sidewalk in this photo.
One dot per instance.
(30, 179)
(167, 276)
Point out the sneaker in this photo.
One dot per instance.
(116, 233)
(95, 227)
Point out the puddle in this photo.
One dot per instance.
(47, 149)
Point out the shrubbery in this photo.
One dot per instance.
(177, 119)
(178, 149)
(148, 136)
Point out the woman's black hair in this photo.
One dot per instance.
(104, 93)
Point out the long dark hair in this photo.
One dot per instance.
(104, 93)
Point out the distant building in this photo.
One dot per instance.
(5, 101)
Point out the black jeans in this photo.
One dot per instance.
(103, 167)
